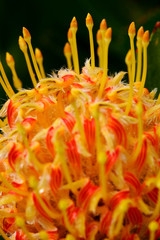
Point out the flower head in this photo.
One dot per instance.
(79, 153)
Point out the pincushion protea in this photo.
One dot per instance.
(80, 152)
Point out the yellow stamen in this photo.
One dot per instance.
(132, 33)
(27, 38)
(102, 176)
(23, 47)
(103, 28)
(145, 43)
(139, 54)
(67, 54)
(89, 25)
(6, 79)
(63, 205)
(153, 227)
(39, 58)
(100, 49)
(3, 234)
(107, 40)
(11, 64)
(73, 27)
(70, 40)
(70, 237)
(5, 88)
(118, 217)
(139, 111)
(130, 76)
(43, 235)
(21, 223)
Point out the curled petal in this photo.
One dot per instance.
(89, 128)
(67, 80)
(53, 235)
(133, 181)
(111, 159)
(46, 102)
(91, 230)
(118, 130)
(8, 222)
(85, 194)
(20, 235)
(69, 121)
(39, 208)
(72, 213)
(105, 222)
(73, 155)
(49, 141)
(153, 195)
(150, 137)
(11, 114)
(14, 153)
(28, 123)
(142, 155)
(117, 198)
(56, 179)
(135, 216)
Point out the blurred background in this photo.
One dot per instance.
(48, 22)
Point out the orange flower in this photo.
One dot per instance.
(79, 153)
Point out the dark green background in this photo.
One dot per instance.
(48, 22)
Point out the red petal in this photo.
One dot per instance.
(69, 121)
(77, 85)
(73, 155)
(89, 128)
(11, 114)
(105, 222)
(53, 235)
(88, 79)
(131, 179)
(85, 194)
(13, 155)
(72, 213)
(49, 142)
(29, 123)
(119, 130)
(56, 179)
(67, 80)
(142, 155)
(20, 235)
(90, 228)
(8, 222)
(153, 195)
(39, 208)
(111, 159)
(151, 138)
(46, 101)
(135, 216)
(117, 198)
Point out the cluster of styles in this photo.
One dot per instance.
(80, 152)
